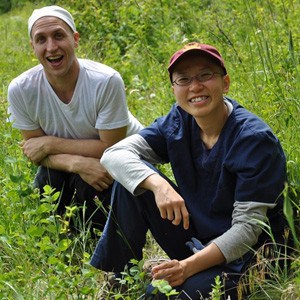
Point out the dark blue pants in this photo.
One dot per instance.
(124, 237)
(75, 191)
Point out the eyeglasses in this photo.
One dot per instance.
(202, 77)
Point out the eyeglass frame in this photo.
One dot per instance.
(192, 78)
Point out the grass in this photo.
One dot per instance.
(260, 43)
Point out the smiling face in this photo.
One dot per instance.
(203, 100)
(54, 45)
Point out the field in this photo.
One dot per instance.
(260, 42)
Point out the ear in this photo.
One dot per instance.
(226, 83)
(76, 38)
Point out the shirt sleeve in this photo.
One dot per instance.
(17, 111)
(113, 111)
(248, 219)
(259, 164)
(124, 161)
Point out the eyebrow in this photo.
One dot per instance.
(42, 33)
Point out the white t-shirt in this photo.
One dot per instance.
(98, 103)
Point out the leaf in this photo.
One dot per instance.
(16, 178)
(289, 214)
(64, 244)
(35, 231)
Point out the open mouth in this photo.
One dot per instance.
(198, 99)
(55, 59)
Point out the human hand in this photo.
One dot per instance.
(170, 204)
(35, 148)
(92, 172)
(194, 245)
(172, 271)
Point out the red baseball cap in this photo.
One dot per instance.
(196, 47)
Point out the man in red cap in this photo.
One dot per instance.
(229, 170)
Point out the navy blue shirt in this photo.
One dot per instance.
(246, 164)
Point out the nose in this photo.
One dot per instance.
(195, 84)
(51, 45)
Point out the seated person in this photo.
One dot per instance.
(69, 110)
(229, 169)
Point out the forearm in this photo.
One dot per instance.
(177, 272)
(124, 162)
(37, 145)
(66, 162)
(153, 183)
(206, 258)
(88, 168)
(83, 147)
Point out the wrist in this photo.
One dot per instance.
(153, 183)
(75, 163)
(50, 145)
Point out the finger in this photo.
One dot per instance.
(161, 274)
(110, 177)
(175, 282)
(163, 265)
(170, 214)
(107, 177)
(178, 217)
(103, 186)
(110, 180)
(166, 271)
(185, 217)
(97, 187)
(163, 213)
(107, 181)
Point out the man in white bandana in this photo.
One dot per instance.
(69, 110)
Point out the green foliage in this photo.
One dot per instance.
(217, 292)
(289, 209)
(131, 283)
(5, 6)
(273, 278)
(40, 257)
(260, 43)
(162, 286)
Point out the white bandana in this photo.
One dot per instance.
(51, 11)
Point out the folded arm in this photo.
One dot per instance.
(69, 155)
(36, 145)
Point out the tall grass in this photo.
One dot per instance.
(260, 42)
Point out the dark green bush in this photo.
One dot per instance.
(5, 6)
